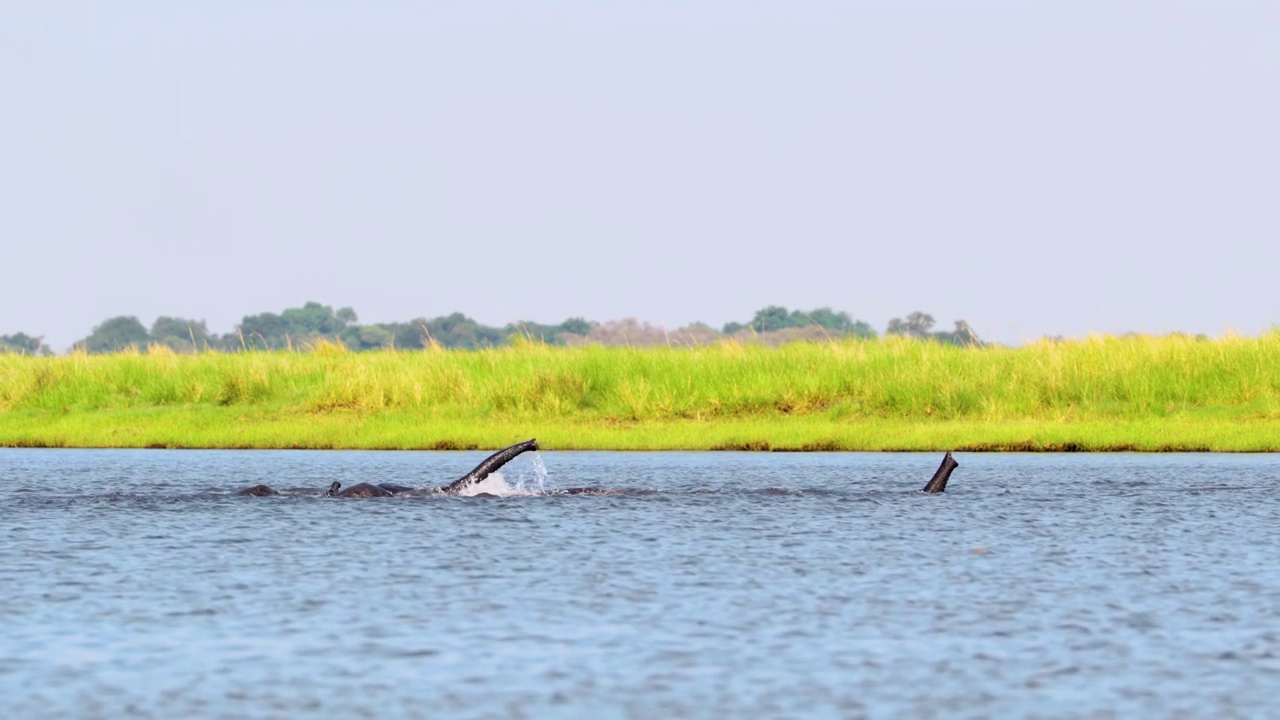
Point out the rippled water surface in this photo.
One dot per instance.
(135, 585)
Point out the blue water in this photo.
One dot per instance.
(134, 584)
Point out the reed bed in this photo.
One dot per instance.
(1100, 393)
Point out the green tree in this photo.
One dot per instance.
(309, 322)
(459, 331)
(775, 317)
(862, 329)
(963, 335)
(403, 335)
(549, 334)
(23, 344)
(916, 325)
(314, 318)
(799, 319)
(266, 328)
(368, 337)
(115, 334)
(180, 333)
(577, 326)
(771, 318)
(831, 320)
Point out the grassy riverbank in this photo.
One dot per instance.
(1134, 393)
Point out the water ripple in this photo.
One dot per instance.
(820, 584)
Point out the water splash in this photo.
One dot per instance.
(522, 484)
(531, 484)
(495, 484)
(540, 473)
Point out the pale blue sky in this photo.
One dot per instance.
(1036, 168)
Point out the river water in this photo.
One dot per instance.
(134, 584)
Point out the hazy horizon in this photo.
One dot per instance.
(1047, 169)
(941, 324)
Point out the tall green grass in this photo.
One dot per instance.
(1153, 393)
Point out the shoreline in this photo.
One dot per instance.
(179, 430)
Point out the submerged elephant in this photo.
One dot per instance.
(366, 490)
(936, 484)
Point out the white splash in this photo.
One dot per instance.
(495, 484)
(539, 475)
(525, 484)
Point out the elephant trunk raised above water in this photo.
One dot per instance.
(487, 467)
(365, 490)
(938, 483)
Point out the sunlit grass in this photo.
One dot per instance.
(1149, 393)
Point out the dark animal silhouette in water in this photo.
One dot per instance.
(938, 483)
(363, 490)
(257, 491)
(367, 490)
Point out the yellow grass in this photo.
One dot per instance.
(1104, 393)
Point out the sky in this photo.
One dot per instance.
(1033, 168)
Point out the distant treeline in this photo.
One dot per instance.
(302, 327)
